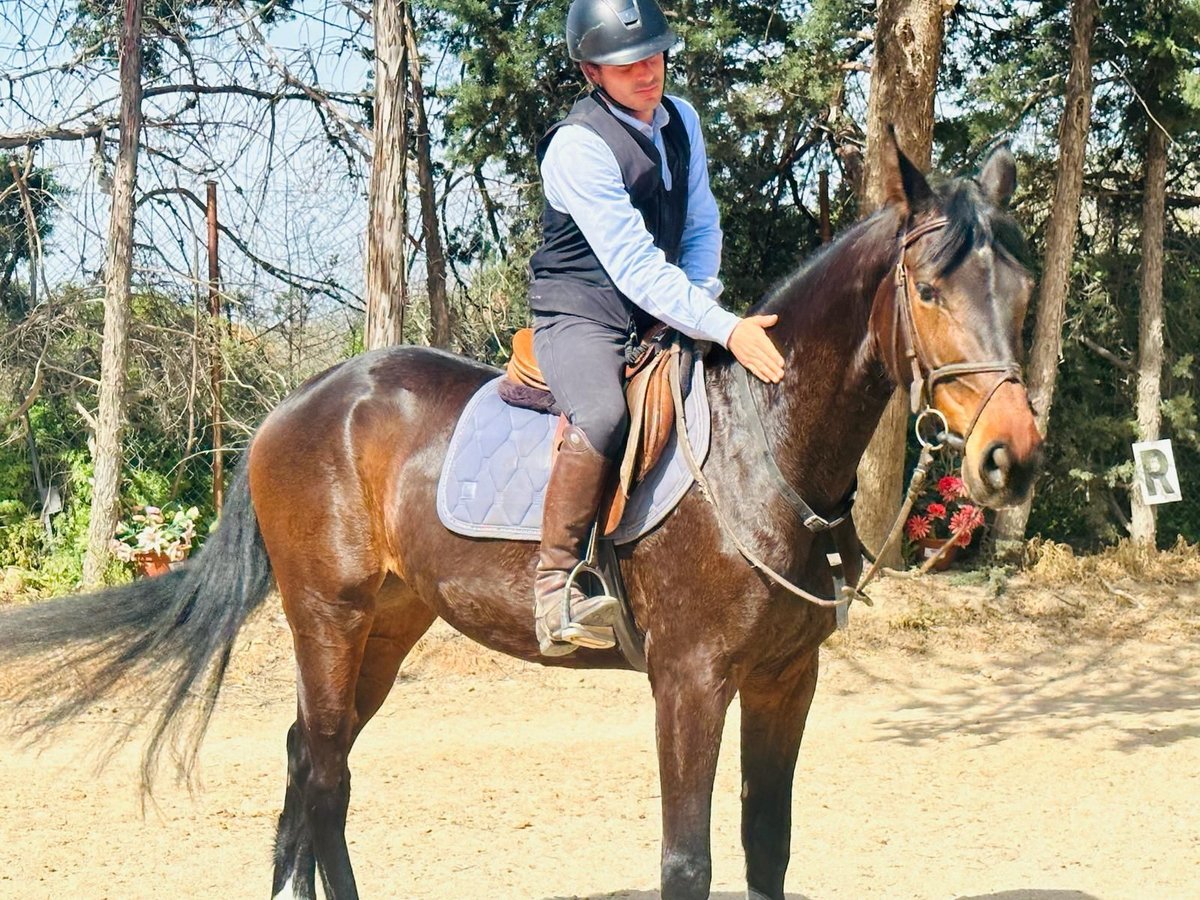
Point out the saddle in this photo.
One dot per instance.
(647, 393)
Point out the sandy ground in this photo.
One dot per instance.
(1038, 743)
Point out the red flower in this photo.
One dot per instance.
(936, 510)
(968, 518)
(917, 527)
(950, 487)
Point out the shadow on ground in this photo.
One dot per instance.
(653, 895)
(1019, 894)
(1039, 695)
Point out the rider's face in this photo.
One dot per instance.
(638, 86)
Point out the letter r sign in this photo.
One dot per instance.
(1154, 472)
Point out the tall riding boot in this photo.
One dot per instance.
(577, 483)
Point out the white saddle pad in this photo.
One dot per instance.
(494, 478)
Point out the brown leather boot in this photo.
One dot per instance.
(577, 483)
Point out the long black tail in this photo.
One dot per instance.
(169, 636)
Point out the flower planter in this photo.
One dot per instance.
(152, 564)
(155, 539)
(929, 549)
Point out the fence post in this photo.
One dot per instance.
(214, 309)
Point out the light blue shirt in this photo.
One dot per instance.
(581, 178)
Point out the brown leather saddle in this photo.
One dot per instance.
(647, 392)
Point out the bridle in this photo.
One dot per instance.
(931, 426)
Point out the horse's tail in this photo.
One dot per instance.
(169, 636)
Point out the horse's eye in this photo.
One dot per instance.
(927, 292)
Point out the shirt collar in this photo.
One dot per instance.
(660, 120)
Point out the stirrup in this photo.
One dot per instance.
(594, 627)
(591, 624)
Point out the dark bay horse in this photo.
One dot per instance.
(336, 507)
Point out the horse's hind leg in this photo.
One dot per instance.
(397, 623)
(774, 709)
(295, 864)
(400, 621)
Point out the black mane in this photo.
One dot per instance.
(974, 222)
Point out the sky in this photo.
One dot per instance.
(298, 202)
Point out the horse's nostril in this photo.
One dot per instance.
(996, 466)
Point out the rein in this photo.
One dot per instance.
(847, 594)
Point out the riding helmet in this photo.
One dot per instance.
(616, 32)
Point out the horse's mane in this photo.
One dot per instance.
(829, 274)
(973, 222)
(837, 264)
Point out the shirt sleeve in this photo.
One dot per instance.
(581, 178)
(700, 249)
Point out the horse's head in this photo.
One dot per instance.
(948, 323)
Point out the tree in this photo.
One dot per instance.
(431, 235)
(1166, 40)
(908, 49)
(1150, 318)
(117, 277)
(26, 220)
(1042, 367)
(1157, 43)
(387, 204)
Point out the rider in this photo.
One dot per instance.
(631, 233)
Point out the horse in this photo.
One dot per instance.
(334, 504)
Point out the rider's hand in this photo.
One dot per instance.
(753, 349)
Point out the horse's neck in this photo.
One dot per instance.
(820, 418)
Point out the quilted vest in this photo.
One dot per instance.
(566, 275)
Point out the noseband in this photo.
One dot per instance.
(926, 375)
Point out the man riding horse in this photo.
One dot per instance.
(630, 234)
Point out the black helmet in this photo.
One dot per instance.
(616, 32)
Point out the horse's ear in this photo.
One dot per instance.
(903, 183)
(999, 176)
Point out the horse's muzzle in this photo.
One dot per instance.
(1004, 453)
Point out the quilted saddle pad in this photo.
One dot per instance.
(494, 477)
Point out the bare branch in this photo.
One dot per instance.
(1107, 355)
(33, 393)
(330, 289)
(54, 133)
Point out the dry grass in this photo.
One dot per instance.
(1057, 598)
(1056, 564)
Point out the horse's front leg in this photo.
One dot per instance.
(774, 708)
(691, 694)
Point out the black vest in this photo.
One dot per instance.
(567, 277)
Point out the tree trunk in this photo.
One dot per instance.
(117, 277)
(1041, 373)
(387, 202)
(435, 257)
(1150, 319)
(908, 49)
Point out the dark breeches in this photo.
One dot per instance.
(583, 362)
